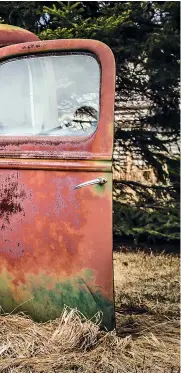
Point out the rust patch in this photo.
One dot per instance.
(11, 197)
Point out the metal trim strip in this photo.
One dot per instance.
(59, 165)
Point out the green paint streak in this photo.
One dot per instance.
(100, 189)
(49, 297)
(6, 299)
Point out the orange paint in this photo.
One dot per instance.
(13, 35)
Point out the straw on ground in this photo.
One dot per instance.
(147, 340)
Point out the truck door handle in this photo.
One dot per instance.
(99, 180)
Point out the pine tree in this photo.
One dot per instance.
(144, 37)
(145, 40)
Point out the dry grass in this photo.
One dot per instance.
(147, 340)
(147, 283)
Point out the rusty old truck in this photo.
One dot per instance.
(56, 142)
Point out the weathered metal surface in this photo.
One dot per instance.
(37, 164)
(56, 241)
(13, 35)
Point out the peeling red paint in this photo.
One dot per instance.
(11, 197)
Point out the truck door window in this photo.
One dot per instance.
(53, 95)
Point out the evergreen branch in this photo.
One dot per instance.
(143, 186)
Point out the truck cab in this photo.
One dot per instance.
(56, 143)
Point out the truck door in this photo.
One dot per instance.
(56, 139)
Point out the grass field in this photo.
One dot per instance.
(147, 340)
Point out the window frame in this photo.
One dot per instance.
(101, 141)
(56, 54)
